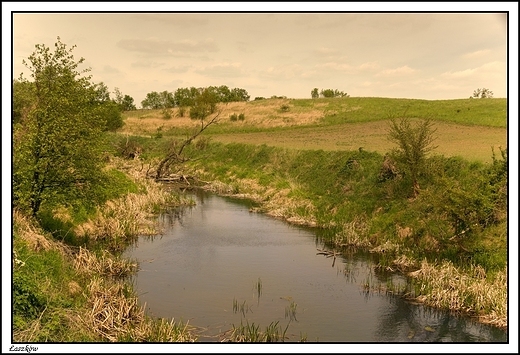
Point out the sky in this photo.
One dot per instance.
(403, 55)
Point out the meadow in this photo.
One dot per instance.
(467, 128)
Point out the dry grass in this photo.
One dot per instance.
(34, 236)
(354, 234)
(266, 114)
(445, 286)
(129, 216)
(106, 264)
(116, 317)
(274, 202)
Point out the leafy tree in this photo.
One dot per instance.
(167, 100)
(414, 143)
(315, 93)
(482, 93)
(125, 102)
(152, 100)
(238, 94)
(205, 103)
(128, 103)
(183, 97)
(328, 93)
(55, 153)
(101, 93)
(107, 110)
(23, 99)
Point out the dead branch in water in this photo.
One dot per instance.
(328, 254)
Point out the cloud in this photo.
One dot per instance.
(488, 68)
(404, 70)
(167, 47)
(369, 66)
(476, 54)
(178, 69)
(284, 72)
(110, 70)
(178, 20)
(146, 64)
(222, 70)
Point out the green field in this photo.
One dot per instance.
(468, 128)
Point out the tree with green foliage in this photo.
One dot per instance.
(315, 93)
(23, 99)
(328, 93)
(125, 102)
(204, 104)
(152, 101)
(107, 109)
(482, 94)
(414, 143)
(55, 151)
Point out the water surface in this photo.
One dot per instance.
(219, 265)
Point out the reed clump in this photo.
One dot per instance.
(251, 333)
(353, 234)
(106, 264)
(124, 218)
(116, 316)
(471, 292)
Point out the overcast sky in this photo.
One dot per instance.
(410, 55)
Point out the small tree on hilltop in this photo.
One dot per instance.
(414, 143)
(482, 94)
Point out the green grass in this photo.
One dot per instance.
(481, 112)
(42, 297)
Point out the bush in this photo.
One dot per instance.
(167, 113)
(233, 117)
(181, 112)
(27, 301)
(241, 117)
(128, 148)
(284, 108)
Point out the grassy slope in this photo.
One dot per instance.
(466, 128)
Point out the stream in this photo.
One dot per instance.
(218, 265)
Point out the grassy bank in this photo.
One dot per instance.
(73, 290)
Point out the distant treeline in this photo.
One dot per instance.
(186, 97)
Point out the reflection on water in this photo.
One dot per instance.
(217, 265)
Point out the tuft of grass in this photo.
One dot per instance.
(445, 286)
(251, 333)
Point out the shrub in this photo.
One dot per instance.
(27, 301)
(241, 117)
(128, 148)
(167, 113)
(233, 117)
(181, 112)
